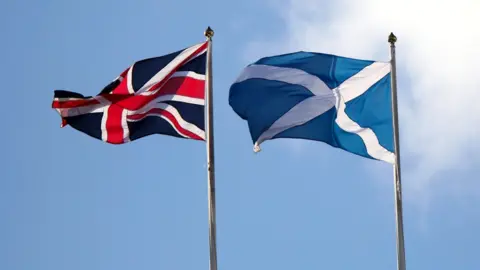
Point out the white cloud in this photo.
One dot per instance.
(438, 57)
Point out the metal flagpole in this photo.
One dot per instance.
(210, 154)
(397, 175)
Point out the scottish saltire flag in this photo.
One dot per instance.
(160, 95)
(340, 101)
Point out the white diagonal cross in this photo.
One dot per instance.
(323, 100)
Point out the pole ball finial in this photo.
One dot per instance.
(209, 32)
(392, 38)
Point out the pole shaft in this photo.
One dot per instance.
(401, 264)
(210, 155)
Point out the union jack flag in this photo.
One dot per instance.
(160, 95)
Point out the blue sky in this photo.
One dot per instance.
(68, 201)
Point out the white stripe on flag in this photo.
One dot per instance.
(363, 80)
(286, 75)
(126, 131)
(190, 74)
(129, 80)
(104, 123)
(374, 149)
(106, 105)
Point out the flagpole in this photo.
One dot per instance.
(210, 154)
(401, 265)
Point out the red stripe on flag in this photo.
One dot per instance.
(184, 86)
(169, 116)
(122, 88)
(73, 103)
(114, 125)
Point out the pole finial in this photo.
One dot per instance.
(392, 38)
(209, 33)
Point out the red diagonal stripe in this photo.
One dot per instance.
(160, 83)
(169, 116)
